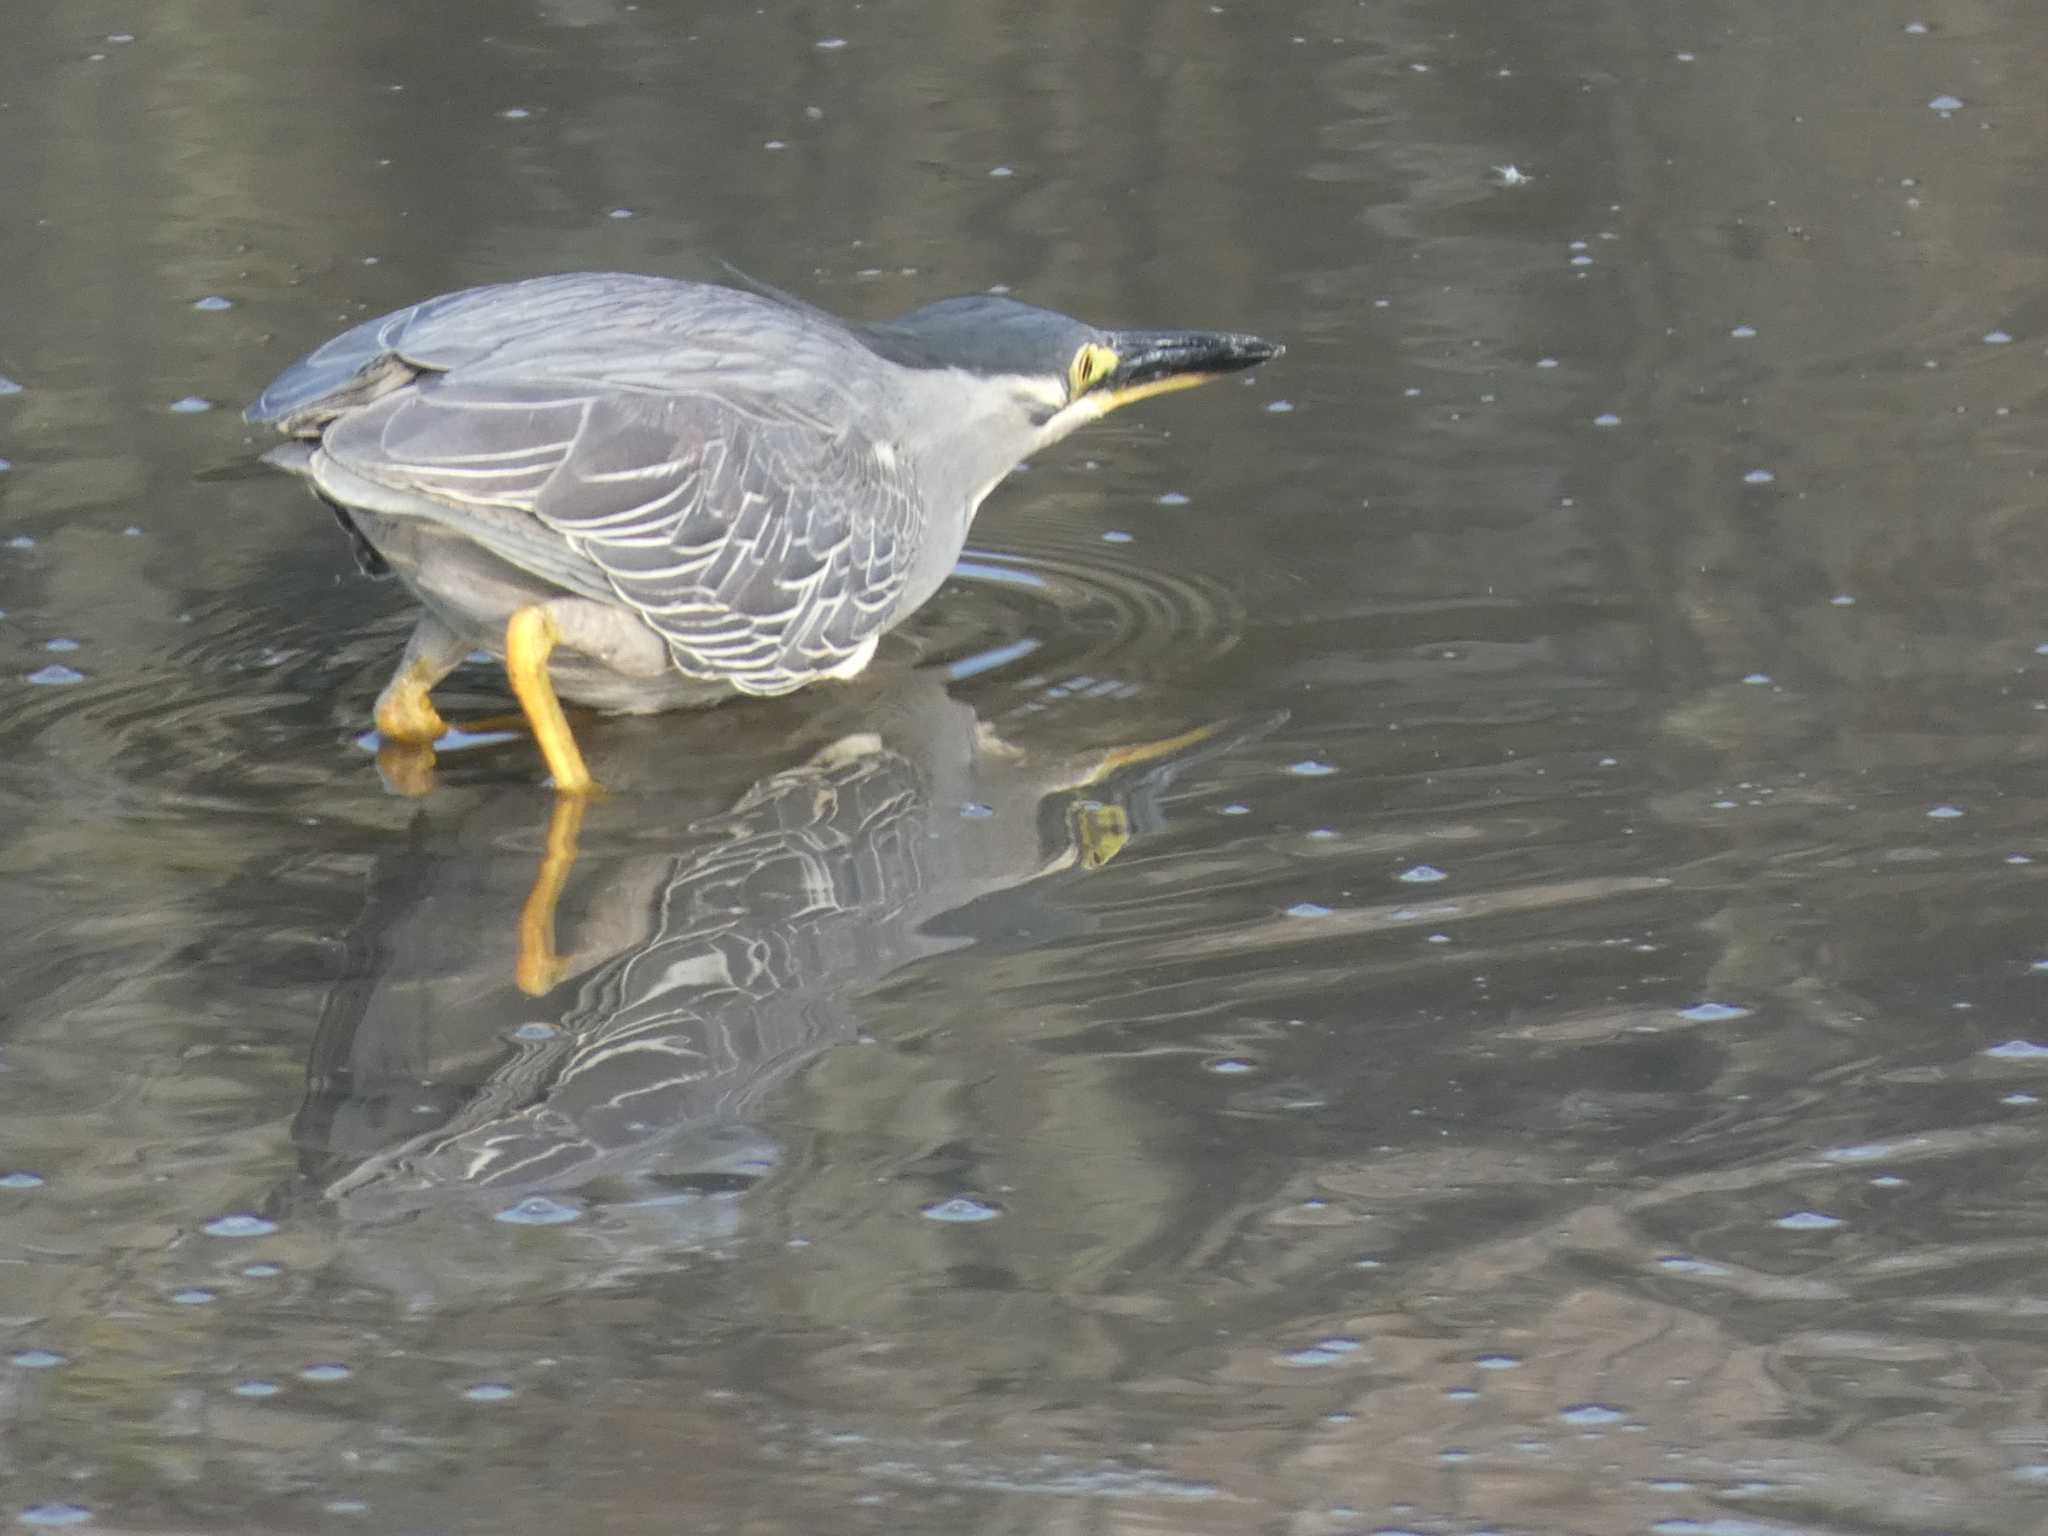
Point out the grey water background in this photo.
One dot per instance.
(1556, 1047)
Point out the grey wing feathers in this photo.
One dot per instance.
(369, 361)
(625, 330)
(764, 547)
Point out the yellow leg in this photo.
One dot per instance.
(539, 967)
(530, 638)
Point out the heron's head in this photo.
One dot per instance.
(1045, 374)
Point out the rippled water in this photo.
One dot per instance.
(1446, 938)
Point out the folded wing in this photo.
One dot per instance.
(765, 546)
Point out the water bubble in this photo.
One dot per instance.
(6, 465)
(1685, 1264)
(1591, 1413)
(1546, 362)
(1322, 1352)
(1842, 600)
(1758, 477)
(1713, 1013)
(1945, 105)
(54, 1514)
(1421, 874)
(515, 114)
(213, 303)
(8, 386)
(37, 1359)
(1607, 419)
(262, 1271)
(256, 1389)
(1308, 909)
(1916, 28)
(539, 1211)
(1116, 536)
(193, 1296)
(1001, 171)
(1279, 407)
(1744, 333)
(1945, 812)
(1997, 338)
(1808, 1221)
(533, 1030)
(961, 1209)
(489, 1392)
(191, 405)
(2017, 1050)
(620, 213)
(240, 1224)
(327, 1370)
(2019, 1100)
(1311, 768)
(1757, 680)
(830, 44)
(21, 541)
(54, 676)
(1231, 1066)
(21, 1178)
(775, 144)
(60, 644)
(1498, 1363)
(1173, 499)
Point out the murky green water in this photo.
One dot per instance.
(1549, 1039)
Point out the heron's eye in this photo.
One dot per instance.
(1091, 365)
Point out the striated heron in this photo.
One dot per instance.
(647, 493)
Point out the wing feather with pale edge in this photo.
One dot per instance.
(765, 546)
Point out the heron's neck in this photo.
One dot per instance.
(984, 436)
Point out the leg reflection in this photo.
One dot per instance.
(539, 966)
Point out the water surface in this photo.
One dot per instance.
(1444, 938)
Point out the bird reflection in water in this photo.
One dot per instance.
(704, 959)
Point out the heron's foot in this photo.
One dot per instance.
(540, 966)
(405, 711)
(406, 715)
(531, 635)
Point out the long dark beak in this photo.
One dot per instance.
(1152, 362)
(1144, 356)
